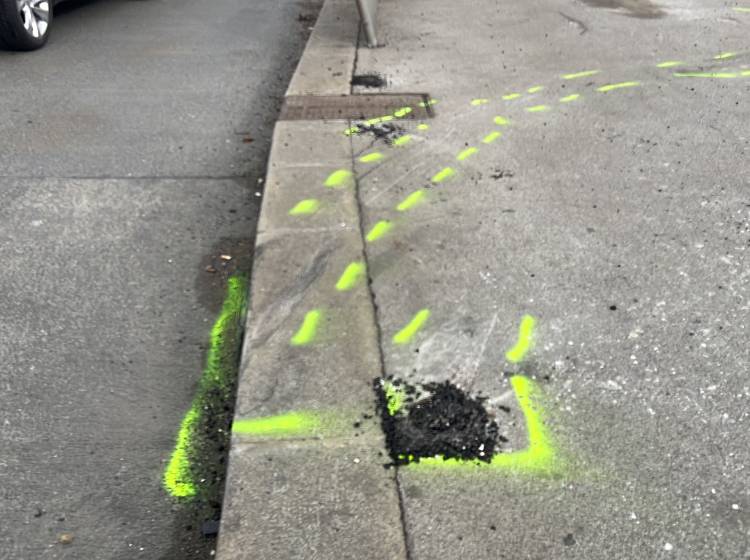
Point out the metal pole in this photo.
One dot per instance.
(367, 12)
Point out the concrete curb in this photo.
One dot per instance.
(316, 489)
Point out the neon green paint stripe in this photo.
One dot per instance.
(352, 130)
(179, 475)
(745, 73)
(402, 112)
(305, 207)
(511, 96)
(717, 75)
(379, 230)
(282, 425)
(410, 201)
(491, 137)
(583, 74)
(371, 158)
(538, 109)
(395, 397)
(539, 458)
(443, 174)
(725, 55)
(525, 340)
(402, 140)
(502, 121)
(669, 64)
(535, 89)
(428, 103)
(621, 85)
(569, 98)
(407, 333)
(741, 9)
(423, 126)
(477, 102)
(467, 153)
(339, 178)
(308, 330)
(351, 275)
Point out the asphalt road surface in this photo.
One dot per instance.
(131, 149)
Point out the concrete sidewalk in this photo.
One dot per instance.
(587, 166)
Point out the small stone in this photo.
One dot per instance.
(735, 507)
(356, 460)
(226, 257)
(668, 546)
(210, 269)
(65, 538)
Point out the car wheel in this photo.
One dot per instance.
(25, 24)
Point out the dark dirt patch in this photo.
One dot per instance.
(436, 419)
(384, 131)
(368, 80)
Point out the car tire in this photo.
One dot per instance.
(25, 24)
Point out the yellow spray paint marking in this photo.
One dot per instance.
(443, 174)
(580, 74)
(410, 201)
(305, 207)
(371, 158)
(308, 330)
(745, 73)
(669, 64)
(540, 457)
(538, 108)
(282, 425)
(428, 103)
(525, 340)
(511, 96)
(352, 130)
(402, 112)
(741, 9)
(402, 140)
(339, 178)
(378, 120)
(477, 102)
(621, 85)
(502, 121)
(177, 476)
(351, 275)
(423, 126)
(569, 98)
(467, 153)
(535, 89)
(394, 398)
(491, 137)
(724, 55)
(717, 75)
(407, 333)
(379, 230)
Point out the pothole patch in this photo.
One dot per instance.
(435, 420)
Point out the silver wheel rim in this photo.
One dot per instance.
(34, 16)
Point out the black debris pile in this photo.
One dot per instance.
(435, 419)
(386, 131)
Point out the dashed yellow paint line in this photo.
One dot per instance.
(353, 273)
(402, 112)
(725, 55)
(481, 101)
(423, 126)
(407, 333)
(379, 230)
(501, 121)
(525, 340)
(669, 64)
(538, 109)
(467, 153)
(428, 103)
(305, 207)
(569, 98)
(411, 201)
(491, 137)
(511, 96)
(535, 89)
(339, 178)
(308, 330)
(741, 9)
(583, 74)
(621, 85)
(402, 140)
(715, 75)
(371, 158)
(443, 174)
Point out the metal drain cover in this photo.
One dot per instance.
(354, 107)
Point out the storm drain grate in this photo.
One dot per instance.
(354, 107)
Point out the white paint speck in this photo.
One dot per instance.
(668, 546)
(735, 507)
